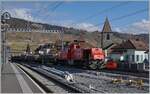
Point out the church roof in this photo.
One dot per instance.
(106, 27)
(132, 44)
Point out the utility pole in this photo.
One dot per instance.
(62, 37)
(30, 34)
(3, 36)
(102, 40)
(4, 17)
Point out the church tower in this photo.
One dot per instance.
(106, 34)
(106, 27)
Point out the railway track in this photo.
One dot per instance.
(117, 72)
(81, 86)
(69, 87)
(90, 81)
(125, 72)
(45, 89)
(109, 73)
(137, 74)
(91, 75)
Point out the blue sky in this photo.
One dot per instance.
(74, 13)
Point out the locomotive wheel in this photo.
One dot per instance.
(101, 65)
(85, 65)
(93, 65)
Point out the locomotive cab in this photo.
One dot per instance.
(86, 54)
(93, 57)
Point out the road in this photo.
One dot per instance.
(14, 80)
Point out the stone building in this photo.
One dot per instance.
(108, 37)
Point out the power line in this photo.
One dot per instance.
(123, 16)
(56, 5)
(101, 12)
(40, 10)
(43, 9)
(136, 12)
(59, 4)
(125, 24)
(54, 8)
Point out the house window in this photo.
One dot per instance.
(108, 37)
(137, 57)
(141, 57)
(133, 58)
(127, 57)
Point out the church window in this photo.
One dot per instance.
(108, 37)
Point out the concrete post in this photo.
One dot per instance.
(129, 66)
(143, 66)
(137, 67)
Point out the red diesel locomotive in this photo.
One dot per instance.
(93, 58)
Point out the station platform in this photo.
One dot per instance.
(14, 80)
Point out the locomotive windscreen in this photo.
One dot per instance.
(86, 54)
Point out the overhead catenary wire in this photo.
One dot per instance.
(54, 9)
(40, 10)
(101, 12)
(122, 17)
(61, 34)
(56, 5)
(125, 25)
(45, 8)
(92, 16)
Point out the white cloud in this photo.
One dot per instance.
(117, 29)
(86, 26)
(22, 13)
(65, 23)
(69, 23)
(142, 26)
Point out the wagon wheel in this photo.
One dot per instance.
(93, 65)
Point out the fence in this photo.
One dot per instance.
(133, 66)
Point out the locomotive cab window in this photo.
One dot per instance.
(108, 37)
(77, 46)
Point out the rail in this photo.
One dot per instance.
(67, 86)
(66, 75)
(38, 82)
